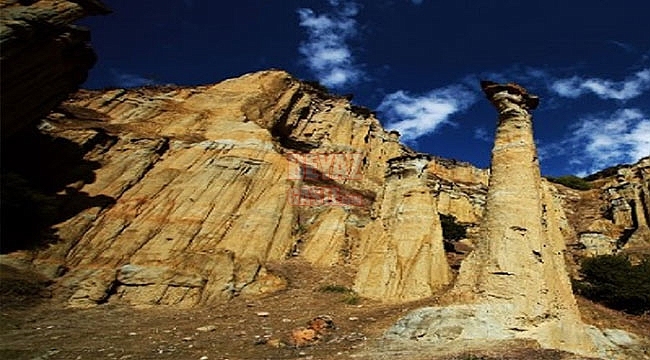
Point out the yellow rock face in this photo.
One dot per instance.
(189, 194)
(197, 189)
(406, 260)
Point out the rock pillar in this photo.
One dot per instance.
(516, 264)
(514, 285)
(514, 259)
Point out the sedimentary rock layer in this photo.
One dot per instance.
(207, 186)
(188, 196)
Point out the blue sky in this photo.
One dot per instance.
(417, 62)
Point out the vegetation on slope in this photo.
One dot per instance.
(571, 181)
(615, 282)
(452, 230)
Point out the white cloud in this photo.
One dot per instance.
(625, 46)
(482, 134)
(417, 115)
(126, 80)
(600, 141)
(629, 88)
(326, 51)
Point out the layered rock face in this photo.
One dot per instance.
(514, 285)
(194, 193)
(390, 257)
(613, 216)
(189, 196)
(44, 58)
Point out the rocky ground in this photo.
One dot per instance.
(35, 327)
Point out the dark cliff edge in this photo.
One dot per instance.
(45, 57)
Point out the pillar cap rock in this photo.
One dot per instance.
(491, 88)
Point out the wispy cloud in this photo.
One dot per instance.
(417, 115)
(600, 141)
(327, 51)
(482, 134)
(629, 88)
(625, 46)
(127, 80)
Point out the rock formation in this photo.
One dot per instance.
(514, 285)
(205, 188)
(157, 187)
(390, 258)
(192, 195)
(613, 216)
(44, 57)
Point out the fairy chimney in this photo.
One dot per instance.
(516, 261)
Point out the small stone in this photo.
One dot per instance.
(189, 338)
(286, 320)
(353, 318)
(203, 358)
(263, 313)
(207, 328)
(302, 353)
(276, 343)
(133, 334)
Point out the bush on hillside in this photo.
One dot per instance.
(615, 282)
(317, 86)
(571, 181)
(452, 230)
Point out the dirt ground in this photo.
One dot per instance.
(34, 327)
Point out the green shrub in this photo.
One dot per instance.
(571, 181)
(317, 85)
(452, 230)
(335, 289)
(615, 282)
(351, 297)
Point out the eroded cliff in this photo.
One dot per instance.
(612, 217)
(172, 195)
(190, 192)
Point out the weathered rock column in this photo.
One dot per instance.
(513, 258)
(515, 263)
(514, 285)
